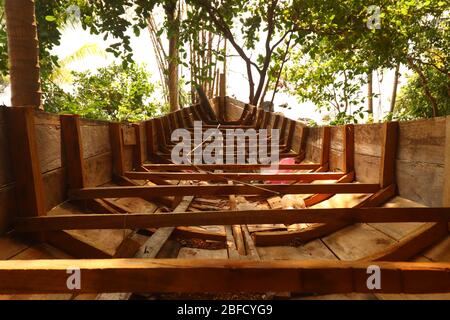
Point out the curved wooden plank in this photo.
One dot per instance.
(318, 230)
(413, 244)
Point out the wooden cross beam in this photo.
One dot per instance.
(180, 275)
(225, 190)
(233, 167)
(234, 176)
(138, 220)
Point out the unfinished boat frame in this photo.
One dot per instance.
(145, 273)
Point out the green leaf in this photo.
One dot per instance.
(50, 18)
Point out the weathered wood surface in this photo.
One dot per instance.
(132, 221)
(144, 275)
(224, 190)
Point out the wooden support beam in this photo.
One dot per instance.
(225, 190)
(154, 244)
(349, 148)
(290, 135)
(388, 154)
(188, 120)
(151, 133)
(29, 186)
(236, 229)
(228, 167)
(73, 150)
(204, 218)
(315, 231)
(137, 149)
(116, 137)
(325, 152)
(259, 119)
(446, 175)
(317, 198)
(267, 118)
(222, 97)
(234, 176)
(414, 243)
(144, 275)
(124, 181)
(380, 197)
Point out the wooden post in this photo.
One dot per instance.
(388, 153)
(151, 143)
(446, 191)
(349, 148)
(115, 130)
(187, 117)
(73, 150)
(325, 156)
(25, 162)
(276, 122)
(137, 150)
(222, 97)
(159, 128)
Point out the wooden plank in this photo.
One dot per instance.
(199, 233)
(117, 148)
(150, 131)
(144, 275)
(74, 246)
(315, 231)
(29, 186)
(357, 241)
(388, 154)
(231, 167)
(235, 228)
(129, 135)
(349, 148)
(317, 198)
(313, 250)
(73, 150)
(207, 176)
(151, 248)
(413, 244)
(204, 218)
(446, 188)
(188, 190)
(124, 181)
(223, 112)
(325, 149)
(189, 121)
(137, 149)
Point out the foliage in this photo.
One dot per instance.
(339, 49)
(61, 73)
(3, 43)
(412, 102)
(331, 81)
(113, 93)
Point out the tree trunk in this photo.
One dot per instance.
(370, 92)
(23, 50)
(160, 54)
(173, 21)
(394, 88)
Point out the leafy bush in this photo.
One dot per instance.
(117, 93)
(412, 102)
